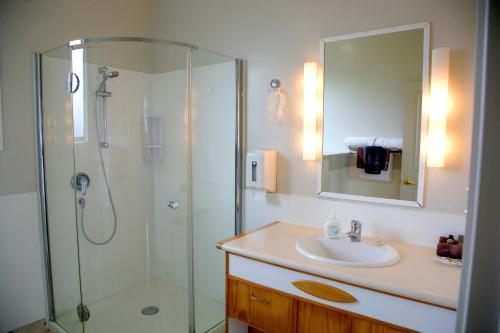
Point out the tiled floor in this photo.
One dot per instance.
(36, 327)
(122, 312)
(39, 327)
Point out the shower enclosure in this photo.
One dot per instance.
(140, 147)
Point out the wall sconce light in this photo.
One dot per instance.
(436, 140)
(310, 110)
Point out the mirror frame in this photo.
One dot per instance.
(419, 203)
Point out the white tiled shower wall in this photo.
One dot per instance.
(213, 171)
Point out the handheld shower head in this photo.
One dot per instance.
(112, 74)
(101, 91)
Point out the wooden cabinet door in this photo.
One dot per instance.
(359, 325)
(317, 319)
(271, 312)
(239, 300)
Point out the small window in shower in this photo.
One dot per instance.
(79, 114)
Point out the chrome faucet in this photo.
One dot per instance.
(355, 233)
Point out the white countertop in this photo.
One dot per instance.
(415, 276)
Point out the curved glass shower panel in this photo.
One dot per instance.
(140, 184)
(213, 173)
(59, 167)
(134, 150)
(213, 189)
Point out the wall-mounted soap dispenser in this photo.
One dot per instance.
(261, 170)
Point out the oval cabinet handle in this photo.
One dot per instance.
(324, 291)
(409, 181)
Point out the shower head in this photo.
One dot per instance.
(112, 74)
(101, 91)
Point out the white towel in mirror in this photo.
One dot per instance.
(353, 142)
(389, 143)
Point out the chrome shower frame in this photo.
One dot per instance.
(240, 149)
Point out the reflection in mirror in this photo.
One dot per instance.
(372, 115)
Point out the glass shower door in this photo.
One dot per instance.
(59, 167)
(213, 185)
(132, 145)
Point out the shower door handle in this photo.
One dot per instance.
(69, 83)
(172, 204)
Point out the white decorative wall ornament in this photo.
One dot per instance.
(276, 101)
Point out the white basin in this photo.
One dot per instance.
(344, 252)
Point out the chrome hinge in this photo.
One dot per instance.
(72, 78)
(83, 312)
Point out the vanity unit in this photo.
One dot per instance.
(271, 287)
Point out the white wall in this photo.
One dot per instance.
(278, 37)
(21, 283)
(410, 225)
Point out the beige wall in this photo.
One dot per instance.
(276, 37)
(34, 26)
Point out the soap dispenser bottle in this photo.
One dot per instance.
(332, 227)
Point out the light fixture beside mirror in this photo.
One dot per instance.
(310, 110)
(373, 125)
(438, 107)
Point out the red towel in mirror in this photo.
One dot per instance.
(360, 158)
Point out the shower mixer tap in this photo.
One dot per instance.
(84, 185)
(80, 182)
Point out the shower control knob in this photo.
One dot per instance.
(80, 182)
(172, 204)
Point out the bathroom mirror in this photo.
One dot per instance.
(372, 126)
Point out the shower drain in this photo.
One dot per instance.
(150, 310)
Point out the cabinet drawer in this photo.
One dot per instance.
(261, 308)
(366, 303)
